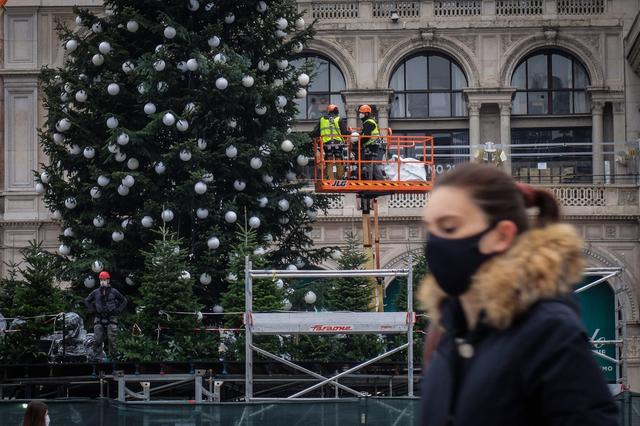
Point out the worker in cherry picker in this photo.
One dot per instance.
(331, 128)
(371, 146)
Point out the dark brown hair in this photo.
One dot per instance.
(34, 416)
(500, 197)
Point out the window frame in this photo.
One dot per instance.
(304, 103)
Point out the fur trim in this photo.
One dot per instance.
(543, 263)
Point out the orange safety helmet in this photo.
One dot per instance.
(364, 109)
(104, 275)
(332, 107)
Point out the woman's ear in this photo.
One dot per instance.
(500, 239)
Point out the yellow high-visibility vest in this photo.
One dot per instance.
(374, 132)
(330, 129)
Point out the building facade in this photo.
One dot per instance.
(554, 84)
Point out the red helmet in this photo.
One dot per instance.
(104, 275)
(364, 109)
(332, 108)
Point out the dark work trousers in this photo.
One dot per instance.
(99, 335)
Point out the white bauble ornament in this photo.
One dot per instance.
(133, 164)
(291, 176)
(185, 275)
(71, 45)
(159, 65)
(132, 26)
(44, 177)
(68, 232)
(205, 278)
(160, 168)
(162, 86)
(129, 279)
(75, 149)
(265, 150)
(220, 59)
(247, 81)
(123, 139)
(126, 223)
(261, 7)
(159, 48)
(268, 238)
(98, 221)
(312, 214)
(218, 309)
(167, 215)
(282, 23)
(190, 108)
(286, 145)
(214, 41)
(193, 5)
(207, 177)
(202, 144)
(310, 297)
(97, 266)
(200, 187)
(39, 188)
(268, 179)
(56, 215)
(104, 47)
(168, 119)
(262, 201)
(97, 59)
(112, 122)
(120, 157)
(149, 108)
(89, 282)
(279, 284)
(254, 222)
(231, 277)
(231, 151)
(202, 213)
(70, 203)
(128, 181)
(64, 97)
(147, 221)
(182, 125)
(192, 64)
(282, 64)
(255, 163)
(113, 148)
(286, 305)
(230, 217)
(64, 250)
(230, 18)
(182, 66)
(280, 33)
(213, 243)
(185, 155)
(302, 160)
(68, 87)
(239, 185)
(58, 138)
(283, 205)
(169, 32)
(81, 96)
(142, 88)
(263, 65)
(95, 192)
(299, 24)
(260, 109)
(89, 152)
(232, 123)
(301, 93)
(292, 267)
(103, 180)
(128, 66)
(97, 27)
(63, 125)
(281, 101)
(303, 79)
(222, 83)
(297, 47)
(117, 236)
(308, 201)
(113, 89)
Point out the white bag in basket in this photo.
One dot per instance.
(410, 169)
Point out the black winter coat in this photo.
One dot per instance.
(106, 303)
(528, 361)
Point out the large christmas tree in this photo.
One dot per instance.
(178, 113)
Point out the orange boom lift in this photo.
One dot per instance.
(358, 177)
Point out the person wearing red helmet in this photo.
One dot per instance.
(371, 146)
(106, 302)
(331, 129)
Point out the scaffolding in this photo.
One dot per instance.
(281, 323)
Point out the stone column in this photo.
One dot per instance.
(596, 140)
(619, 138)
(505, 134)
(474, 126)
(631, 355)
(383, 116)
(352, 115)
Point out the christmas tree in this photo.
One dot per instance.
(177, 113)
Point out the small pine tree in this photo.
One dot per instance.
(162, 332)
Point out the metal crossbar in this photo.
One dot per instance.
(278, 323)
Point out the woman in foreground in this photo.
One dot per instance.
(511, 349)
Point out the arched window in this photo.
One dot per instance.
(325, 88)
(428, 85)
(550, 82)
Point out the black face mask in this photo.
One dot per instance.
(454, 261)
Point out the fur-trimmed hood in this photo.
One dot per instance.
(542, 264)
